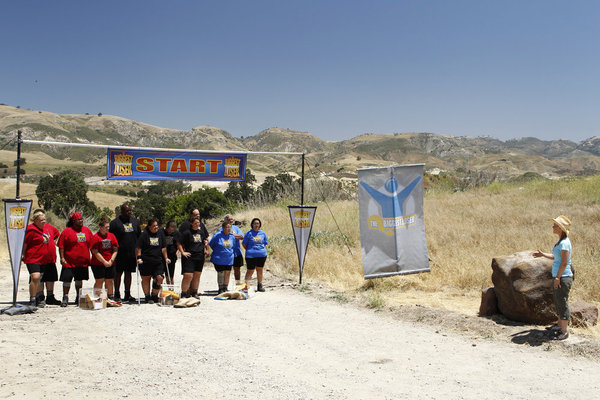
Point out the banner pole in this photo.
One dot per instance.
(302, 193)
(19, 141)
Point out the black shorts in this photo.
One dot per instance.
(74, 273)
(189, 265)
(221, 268)
(50, 273)
(33, 268)
(258, 262)
(238, 261)
(152, 268)
(102, 272)
(125, 264)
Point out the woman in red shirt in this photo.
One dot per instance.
(74, 248)
(36, 253)
(104, 248)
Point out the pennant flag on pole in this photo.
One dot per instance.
(392, 225)
(302, 221)
(16, 214)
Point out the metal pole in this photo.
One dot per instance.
(302, 191)
(19, 141)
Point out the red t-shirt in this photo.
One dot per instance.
(104, 245)
(76, 246)
(54, 234)
(40, 244)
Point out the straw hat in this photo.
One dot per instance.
(563, 223)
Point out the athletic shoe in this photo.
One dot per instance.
(51, 301)
(260, 287)
(32, 302)
(561, 335)
(65, 301)
(154, 298)
(40, 303)
(130, 299)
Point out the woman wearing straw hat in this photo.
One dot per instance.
(562, 275)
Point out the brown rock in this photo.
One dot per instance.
(583, 314)
(489, 302)
(523, 287)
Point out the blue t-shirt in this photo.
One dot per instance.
(222, 249)
(255, 242)
(564, 244)
(237, 250)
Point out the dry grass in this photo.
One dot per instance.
(464, 232)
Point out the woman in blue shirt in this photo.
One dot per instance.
(562, 275)
(255, 242)
(222, 255)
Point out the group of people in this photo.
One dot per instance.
(121, 247)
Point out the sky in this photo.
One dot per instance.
(337, 69)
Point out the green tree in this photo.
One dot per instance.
(277, 187)
(209, 201)
(153, 201)
(63, 192)
(242, 192)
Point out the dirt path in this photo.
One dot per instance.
(282, 344)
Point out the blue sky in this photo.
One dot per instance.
(337, 69)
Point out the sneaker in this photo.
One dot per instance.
(117, 297)
(130, 299)
(260, 287)
(32, 302)
(41, 303)
(561, 335)
(65, 301)
(51, 301)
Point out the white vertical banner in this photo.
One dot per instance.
(302, 218)
(16, 215)
(392, 225)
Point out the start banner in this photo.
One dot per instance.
(127, 164)
(392, 226)
(16, 215)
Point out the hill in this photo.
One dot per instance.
(510, 158)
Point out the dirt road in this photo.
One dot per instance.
(282, 344)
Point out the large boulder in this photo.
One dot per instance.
(489, 302)
(523, 287)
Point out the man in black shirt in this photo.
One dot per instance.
(127, 230)
(185, 225)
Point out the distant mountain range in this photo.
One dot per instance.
(510, 158)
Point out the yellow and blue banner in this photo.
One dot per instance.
(128, 164)
(302, 218)
(16, 215)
